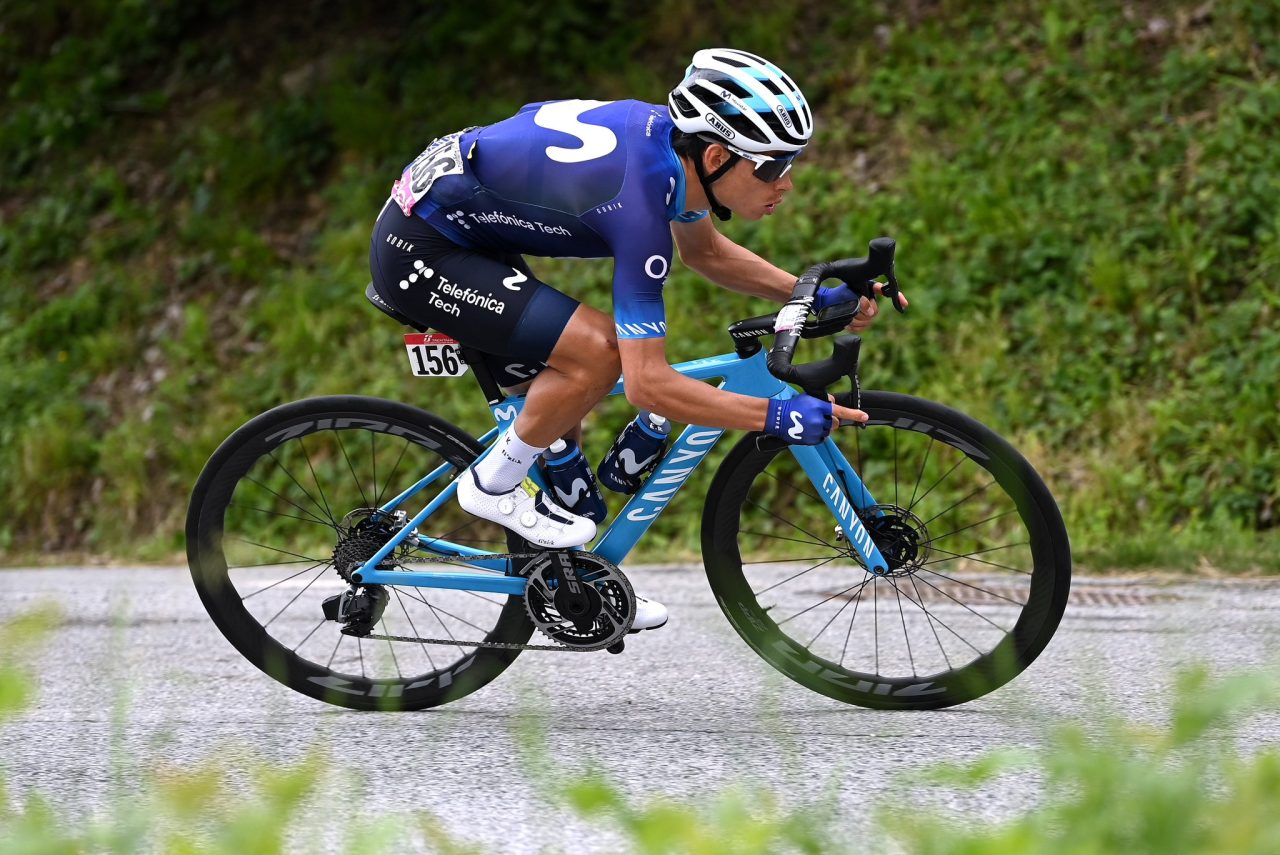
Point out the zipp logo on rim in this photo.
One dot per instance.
(938, 433)
(304, 428)
(382, 690)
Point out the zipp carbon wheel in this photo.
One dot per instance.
(980, 563)
(290, 492)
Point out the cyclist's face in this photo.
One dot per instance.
(744, 193)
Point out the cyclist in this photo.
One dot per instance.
(594, 179)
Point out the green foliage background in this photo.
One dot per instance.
(1086, 197)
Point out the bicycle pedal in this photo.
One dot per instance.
(617, 647)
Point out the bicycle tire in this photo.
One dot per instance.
(271, 474)
(763, 506)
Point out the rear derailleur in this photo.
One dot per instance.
(358, 609)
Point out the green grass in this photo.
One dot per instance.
(1085, 197)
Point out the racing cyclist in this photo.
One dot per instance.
(595, 179)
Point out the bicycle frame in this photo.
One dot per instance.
(825, 465)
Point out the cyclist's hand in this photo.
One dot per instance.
(846, 415)
(868, 310)
(806, 420)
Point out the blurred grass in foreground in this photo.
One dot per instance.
(1114, 786)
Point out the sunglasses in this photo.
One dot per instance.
(767, 168)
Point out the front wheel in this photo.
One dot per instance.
(980, 563)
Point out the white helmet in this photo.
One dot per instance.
(743, 99)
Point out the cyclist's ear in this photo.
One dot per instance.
(714, 157)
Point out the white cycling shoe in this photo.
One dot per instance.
(650, 614)
(528, 512)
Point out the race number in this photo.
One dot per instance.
(434, 355)
(442, 157)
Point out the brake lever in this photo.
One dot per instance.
(891, 291)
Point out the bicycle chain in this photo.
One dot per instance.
(498, 645)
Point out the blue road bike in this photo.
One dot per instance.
(913, 563)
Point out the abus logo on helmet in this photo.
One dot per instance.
(725, 131)
(782, 114)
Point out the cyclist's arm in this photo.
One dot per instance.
(652, 384)
(712, 255)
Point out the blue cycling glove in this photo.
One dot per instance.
(803, 420)
(825, 297)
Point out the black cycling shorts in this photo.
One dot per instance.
(488, 301)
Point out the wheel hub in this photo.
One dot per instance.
(360, 536)
(900, 535)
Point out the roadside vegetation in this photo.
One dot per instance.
(1086, 197)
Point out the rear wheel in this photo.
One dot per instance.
(290, 493)
(980, 563)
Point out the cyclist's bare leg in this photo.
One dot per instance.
(574, 433)
(581, 370)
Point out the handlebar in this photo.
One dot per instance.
(792, 322)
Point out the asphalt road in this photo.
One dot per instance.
(137, 679)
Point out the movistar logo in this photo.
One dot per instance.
(797, 429)
(627, 457)
(577, 490)
(723, 129)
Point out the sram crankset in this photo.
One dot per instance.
(579, 599)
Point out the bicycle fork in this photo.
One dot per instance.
(845, 495)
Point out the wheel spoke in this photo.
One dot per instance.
(820, 602)
(391, 479)
(282, 581)
(337, 434)
(942, 537)
(796, 576)
(981, 489)
(965, 606)
(391, 647)
(788, 522)
(920, 604)
(414, 629)
(974, 587)
(304, 490)
(312, 521)
(328, 523)
(969, 557)
(857, 601)
(295, 597)
(945, 476)
(791, 485)
(906, 636)
(780, 537)
(436, 609)
(319, 487)
(929, 617)
(911, 503)
(322, 622)
(278, 549)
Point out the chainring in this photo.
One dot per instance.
(579, 599)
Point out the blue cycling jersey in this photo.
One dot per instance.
(569, 179)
